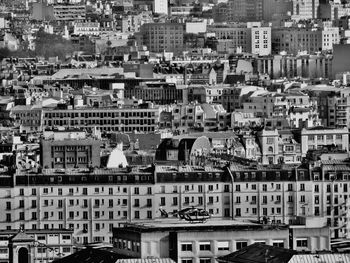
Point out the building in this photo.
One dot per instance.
(185, 242)
(305, 66)
(28, 118)
(246, 38)
(43, 11)
(318, 137)
(305, 9)
(310, 40)
(104, 119)
(160, 93)
(258, 252)
(245, 10)
(160, 6)
(87, 28)
(35, 245)
(277, 10)
(70, 153)
(163, 37)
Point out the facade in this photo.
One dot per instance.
(87, 28)
(35, 245)
(104, 119)
(70, 153)
(251, 39)
(93, 201)
(160, 6)
(245, 10)
(305, 9)
(158, 93)
(289, 66)
(293, 40)
(316, 138)
(27, 118)
(160, 37)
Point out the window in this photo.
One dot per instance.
(238, 188)
(264, 187)
(137, 214)
(205, 260)
(187, 260)
(186, 246)
(223, 245)
(302, 187)
(317, 188)
(204, 246)
(149, 202)
(241, 244)
(302, 242)
(278, 243)
(162, 201)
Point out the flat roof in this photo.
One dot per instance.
(182, 225)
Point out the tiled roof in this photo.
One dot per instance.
(329, 258)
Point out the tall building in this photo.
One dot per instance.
(245, 10)
(305, 9)
(275, 10)
(311, 40)
(160, 6)
(254, 39)
(160, 37)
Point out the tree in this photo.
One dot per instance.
(50, 45)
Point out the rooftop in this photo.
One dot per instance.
(179, 225)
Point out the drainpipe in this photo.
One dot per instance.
(232, 184)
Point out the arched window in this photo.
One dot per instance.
(270, 149)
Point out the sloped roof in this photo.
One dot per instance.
(318, 258)
(259, 253)
(22, 237)
(92, 255)
(146, 260)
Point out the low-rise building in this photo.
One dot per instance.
(186, 242)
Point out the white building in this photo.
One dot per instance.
(160, 6)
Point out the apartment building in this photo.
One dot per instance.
(251, 39)
(144, 119)
(311, 40)
(92, 202)
(199, 243)
(163, 37)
